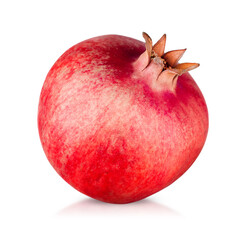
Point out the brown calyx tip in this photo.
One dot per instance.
(174, 56)
(148, 44)
(185, 67)
(159, 47)
(167, 61)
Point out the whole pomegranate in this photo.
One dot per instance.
(119, 119)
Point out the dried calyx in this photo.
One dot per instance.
(164, 67)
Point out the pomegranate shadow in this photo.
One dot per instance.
(92, 207)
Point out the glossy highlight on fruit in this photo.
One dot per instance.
(120, 119)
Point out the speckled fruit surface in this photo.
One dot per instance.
(110, 130)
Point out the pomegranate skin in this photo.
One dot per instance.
(105, 129)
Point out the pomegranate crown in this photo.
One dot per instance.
(168, 68)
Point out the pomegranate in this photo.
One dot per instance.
(120, 119)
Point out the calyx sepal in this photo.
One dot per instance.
(163, 67)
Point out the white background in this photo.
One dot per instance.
(207, 202)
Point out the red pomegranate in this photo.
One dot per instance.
(119, 119)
